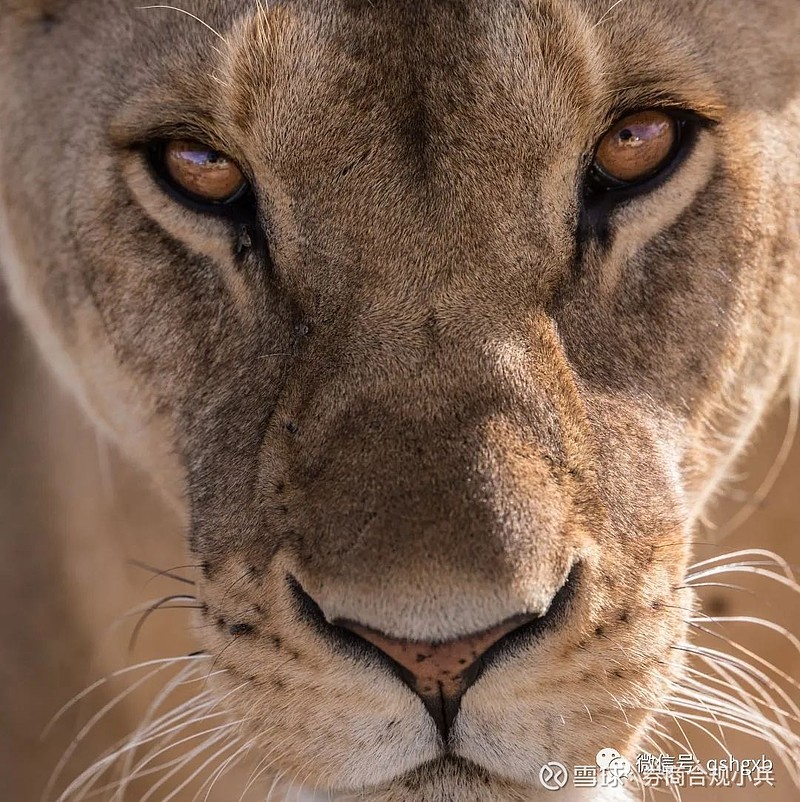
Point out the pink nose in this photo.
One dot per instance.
(440, 673)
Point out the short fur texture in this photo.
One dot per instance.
(421, 390)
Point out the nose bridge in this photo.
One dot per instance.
(425, 466)
(448, 364)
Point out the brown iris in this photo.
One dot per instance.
(202, 172)
(637, 147)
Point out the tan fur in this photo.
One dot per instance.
(422, 396)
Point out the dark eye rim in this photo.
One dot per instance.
(239, 207)
(603, 189)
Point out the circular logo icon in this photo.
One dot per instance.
(620, 768)
(554, 776)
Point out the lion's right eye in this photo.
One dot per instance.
(200, 174)
(638, 147)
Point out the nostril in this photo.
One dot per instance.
(439, 672)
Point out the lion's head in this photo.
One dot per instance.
(441, 320)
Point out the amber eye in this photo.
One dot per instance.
(204, 174)
(637, 147)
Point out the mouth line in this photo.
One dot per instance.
(428, 769)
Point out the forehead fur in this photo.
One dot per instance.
(550, 58)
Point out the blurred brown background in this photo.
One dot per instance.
(774, 525)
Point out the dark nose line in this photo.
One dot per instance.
(439, 673)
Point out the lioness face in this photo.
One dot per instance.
(441, 320)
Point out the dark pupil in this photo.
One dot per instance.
(626, 135)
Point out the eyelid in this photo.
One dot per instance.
(133, 129)
(705, 105)
(680, 113)
(145, 138)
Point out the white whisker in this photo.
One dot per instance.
(760, 622)
(188, 14)
(105, 680)
(191, 777)
(68, 753)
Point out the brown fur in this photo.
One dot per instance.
(421, 393)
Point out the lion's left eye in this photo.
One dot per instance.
(200, 174)
(636, 148)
